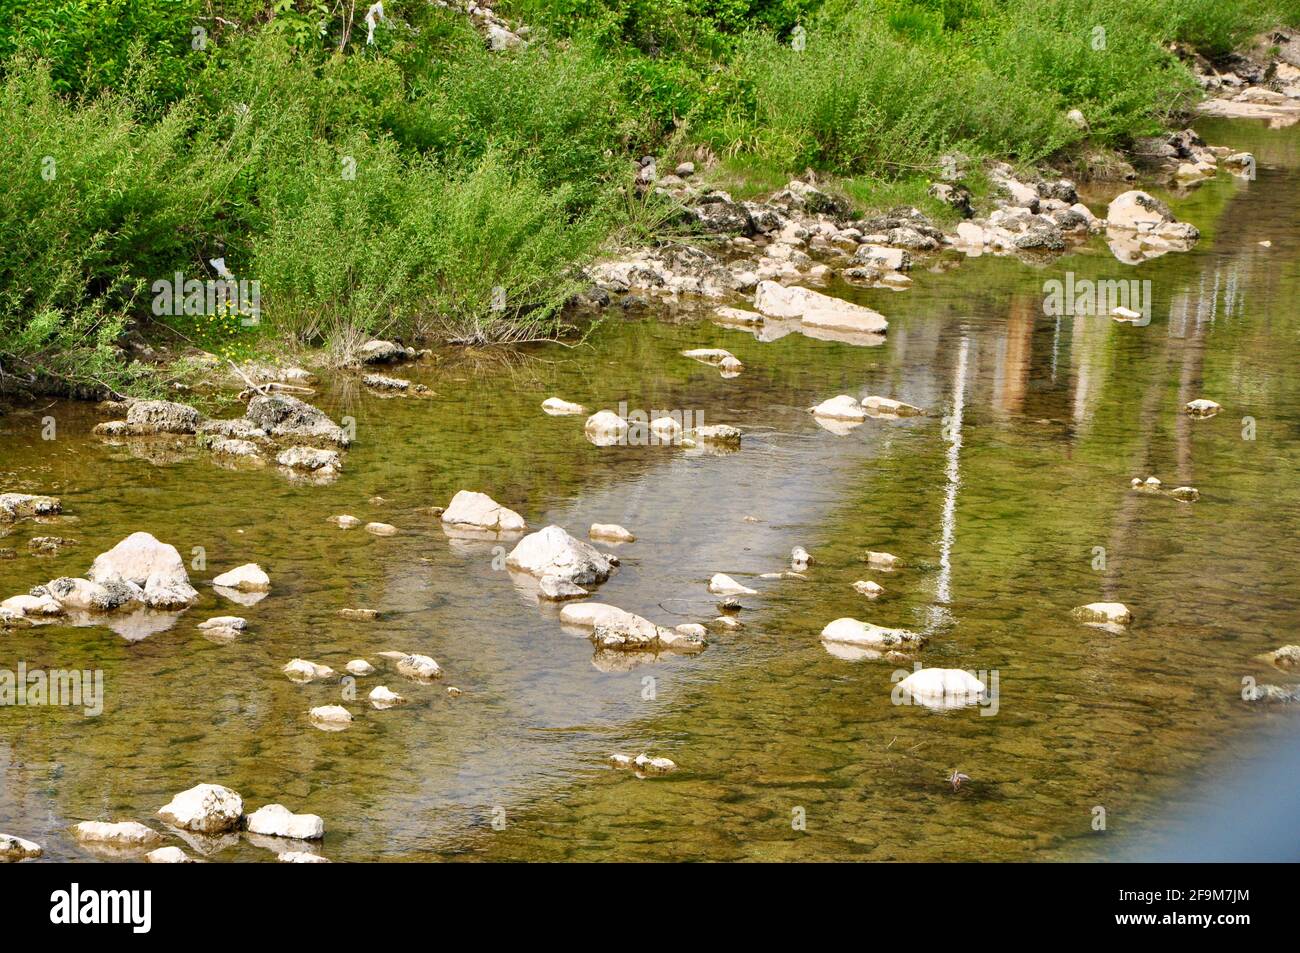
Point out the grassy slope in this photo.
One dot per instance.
(423, 186)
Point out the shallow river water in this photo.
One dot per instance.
(997, 501)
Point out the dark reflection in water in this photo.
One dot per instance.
(1008, 505)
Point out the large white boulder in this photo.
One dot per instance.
(1137, 211)
(204, 809)
(553, 552)
(276, 820)
(468, 508)
(142, 560)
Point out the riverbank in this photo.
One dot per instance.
(449, 181)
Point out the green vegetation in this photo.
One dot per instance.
(424, 186)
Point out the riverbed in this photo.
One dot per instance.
(1008, 504)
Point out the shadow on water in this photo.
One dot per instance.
(1008, 505)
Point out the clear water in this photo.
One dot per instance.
(998, 538)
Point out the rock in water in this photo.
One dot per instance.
(610, 532)
(1105, 613)
(1202, 408)
(120, 834)
(853, 632)
(816, 309)
(143, 561)
(842, 407)
(941, 688)
(330, 717)
(283, 416)
(15, 848)
(383, 697)
(723, 585)
(562, 408)
(553, 552)
(468, 508)
(275, 820)
(204, 809)
(301, 670)
(168, 855)
(161, 416)
(17, 506)
(868, 588)
(359, 666)
(246, 578)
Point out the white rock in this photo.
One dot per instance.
(30, 605)
(854, 632)
(311, 459)
(359, 666)
(301, 670)
(800, 559)
(816, 309)
(382, 529)
(1201, 407)
(204, 808)
(1112, 613)
(610, 532)
(15, 848)
(713, 355)
(723, 585)
(156, 567)
(942, 687)
(1137, 211)
(883, 560)
(716, 435)
(384, 697)
(419, 667)
(168, 855)
(666, 429)
(1076, 118)
(649, 765)
(1125, 314)
(605, 428)
(232, 622)
(344, 521)
(275, 820)
(868, 588)
(468, 508)
(562, 408)
(330, 715)
(553, 552)
(692, 630)
(246, 578)
(300, 857)
(121, 833)
(841, 407)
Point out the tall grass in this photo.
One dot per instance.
(424, 186)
